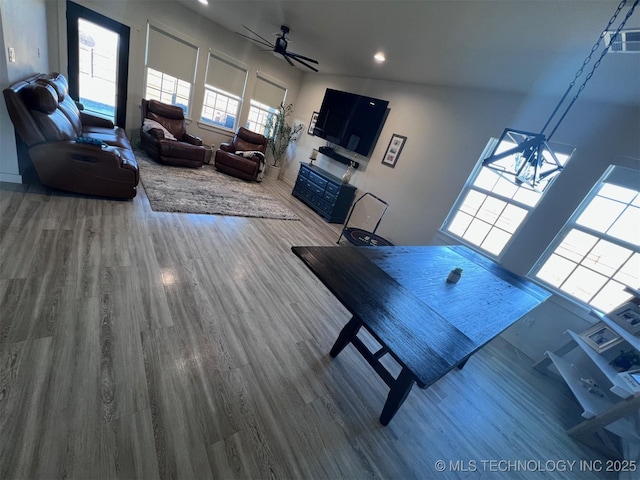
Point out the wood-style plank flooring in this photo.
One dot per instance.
(138, 344)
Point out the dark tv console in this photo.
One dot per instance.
(330, 152)
(324, 193)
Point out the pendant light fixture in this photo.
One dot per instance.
(526, 158)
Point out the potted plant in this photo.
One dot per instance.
(280, 135)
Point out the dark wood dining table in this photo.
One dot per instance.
(401, 296)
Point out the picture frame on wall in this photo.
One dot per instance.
(396, 144)
(627, 316)
(312, 123)
(601, 337)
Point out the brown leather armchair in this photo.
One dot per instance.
(185, 151)
(239, 166)
(69, 149)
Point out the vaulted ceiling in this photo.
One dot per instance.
(526, 46)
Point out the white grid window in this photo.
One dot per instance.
(597, 253)
(491, 207)
(167, 89)
(259, 114)
(220, 108)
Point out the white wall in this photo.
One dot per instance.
(16, 18)
(192, 27)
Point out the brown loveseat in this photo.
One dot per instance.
(70, 150)
(184, 150)
(246, 168)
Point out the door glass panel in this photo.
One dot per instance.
(98, 60)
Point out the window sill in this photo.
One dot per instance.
(215, 128)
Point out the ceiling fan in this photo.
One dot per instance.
(280, 47)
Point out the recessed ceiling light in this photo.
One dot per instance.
(204, 2)
(379, 57)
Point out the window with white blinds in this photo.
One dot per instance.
(170, 67)
(266, 99)
(225, 83)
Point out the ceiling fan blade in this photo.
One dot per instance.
(302, 57)
(303, 63)
(259, 36)
(256, 40)
(286, 57)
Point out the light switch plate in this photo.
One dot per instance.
(12, 55)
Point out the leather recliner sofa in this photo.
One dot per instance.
(246, 168)
(71, 150)
(184, 150)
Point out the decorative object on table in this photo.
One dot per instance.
(454, 275)
(346, 178)
(592, 387)
(627, 316)
(396, 144)
(600, 337)
(312, 123)
(526, 158)
(206, 191)
(281, 134)
(313, 156)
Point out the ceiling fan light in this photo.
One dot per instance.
(379, 57)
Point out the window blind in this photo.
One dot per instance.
(226, 76)
(171, 55)
(268, 92)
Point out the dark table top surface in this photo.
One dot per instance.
(401, 295)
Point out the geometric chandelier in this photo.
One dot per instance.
(530, 162)
(525, 157)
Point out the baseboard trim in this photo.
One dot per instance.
(10, 177)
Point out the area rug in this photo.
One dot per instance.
(205, 190)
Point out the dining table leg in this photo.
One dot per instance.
(397, 395)
(348, 332)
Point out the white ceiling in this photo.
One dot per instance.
(527, 46)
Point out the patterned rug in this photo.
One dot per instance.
(205, 190)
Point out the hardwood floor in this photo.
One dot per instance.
(137, 344)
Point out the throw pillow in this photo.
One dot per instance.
(149, 124)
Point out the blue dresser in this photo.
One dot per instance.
(324, 193)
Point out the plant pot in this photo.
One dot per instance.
(272, 171)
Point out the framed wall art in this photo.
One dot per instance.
(601, 337)
(393, 150)
(627, 316)
(312, 123)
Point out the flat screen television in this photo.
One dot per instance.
(350, 120)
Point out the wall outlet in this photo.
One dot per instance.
(12, 55)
